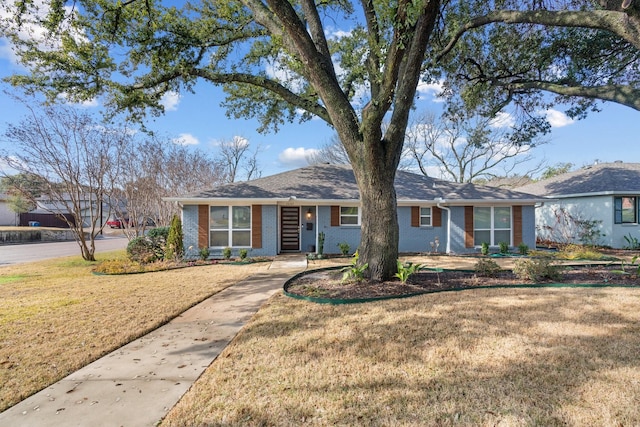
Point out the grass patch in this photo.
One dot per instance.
(56, 316)
(483, 357)
(11, 278)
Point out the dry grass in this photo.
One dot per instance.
(480, 357)
(55, 316)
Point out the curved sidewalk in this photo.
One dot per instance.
(136, 385)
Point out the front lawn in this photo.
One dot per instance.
(55, 316)
(509, 357)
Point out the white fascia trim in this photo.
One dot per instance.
(466, 202)
(600, 193)
(269, 201)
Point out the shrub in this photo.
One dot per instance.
(484, 249)
(117, 266)
(536, 270)
(321, 243)
(159, 234)
(226, 253)
(573, 252)
(523, 249)
(204, 253)
(243, 254)
(144, 250)
(504, 247)
(344, 248)
(487, 268)
(175, 247)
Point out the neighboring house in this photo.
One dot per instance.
(7, 216)
(607, 193)
(286, 212)
(48, 212)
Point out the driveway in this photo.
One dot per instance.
(16, 254)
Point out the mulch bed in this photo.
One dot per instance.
(327, 284)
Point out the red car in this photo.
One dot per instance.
(117, 222)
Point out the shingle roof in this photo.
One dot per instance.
(337, 182)
(607, 178)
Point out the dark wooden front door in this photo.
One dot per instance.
(290, 228)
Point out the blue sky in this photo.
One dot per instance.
(199, 121)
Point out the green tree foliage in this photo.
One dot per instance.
(555, 170)
(277, 61)
(23, 189)
(175, 248)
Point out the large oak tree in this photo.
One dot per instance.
(276, 61)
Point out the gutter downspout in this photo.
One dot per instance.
(439, 201)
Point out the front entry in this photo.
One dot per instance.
(290, 228)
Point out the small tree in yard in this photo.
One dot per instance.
(74, 160)
(175, 247)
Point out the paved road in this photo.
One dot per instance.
(16, 254)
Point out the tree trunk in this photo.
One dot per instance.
(379, 232)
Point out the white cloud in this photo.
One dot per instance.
(186, 139)
(296, 156)
(431, 89)
(64, 96)
(558, 119)
(170, 101)
(336, 34)
(6, 52)
(236, 141)
(31, 29)
(502, 120)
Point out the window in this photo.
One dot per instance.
(230, 226)
(349, 215)
(626, 211)
(425, 217)
(491, 225)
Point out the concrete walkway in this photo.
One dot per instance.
(139, 383)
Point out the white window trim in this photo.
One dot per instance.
(492, 230)
(430, 216)
(230, 230)
(351, 216)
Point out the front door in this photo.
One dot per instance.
(290, 228)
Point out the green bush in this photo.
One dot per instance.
(487, 268)
(226, 253)
(204, 253)
(504, 247)
(243, 254)
(159, 234)
(144, 250)
(523, 249)
(484, 249)
(344, 248)
(536, 270)
(175, 246)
